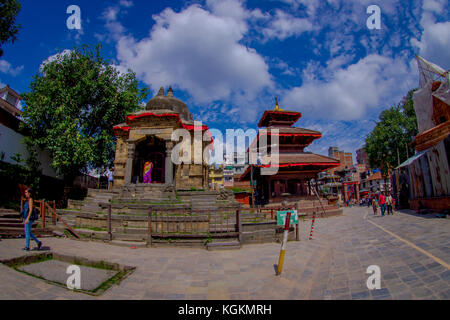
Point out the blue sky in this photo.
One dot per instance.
(228, 59)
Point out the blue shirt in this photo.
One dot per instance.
(25, 210)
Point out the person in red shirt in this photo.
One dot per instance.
(382, 203)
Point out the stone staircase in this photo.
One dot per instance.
(130, 209)
(12, 226)
(308, 207)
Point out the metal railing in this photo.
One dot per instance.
(48, 209)
(188, 223)
(270, 215)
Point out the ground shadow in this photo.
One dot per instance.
(428, 215)
(43, 248)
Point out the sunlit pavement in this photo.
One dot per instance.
(412, 252)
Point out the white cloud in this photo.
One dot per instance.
(285, 25)
(373, 83)
(286, 69)
(6, 67)
(110, 15)
(198, 51)
(126, 3)
(339, 61)
(435, 43)
(346, 135)
(58, 56)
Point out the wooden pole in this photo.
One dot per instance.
(150, 226)
(42, 214)
(239, 225)
(109, 222)
(53, 215)
(253, 190)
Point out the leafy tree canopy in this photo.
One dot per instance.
(8, 13)
(73, 105)
(392, 135)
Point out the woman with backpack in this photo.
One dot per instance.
(27, 212)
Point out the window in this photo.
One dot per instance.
(11, 99)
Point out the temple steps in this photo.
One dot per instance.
(12, 226)
(228, 245)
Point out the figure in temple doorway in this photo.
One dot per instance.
(148, 167)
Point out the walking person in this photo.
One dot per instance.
(382, 203)
(27, 215)
(110, 179)
(389, 201)
(375, 204)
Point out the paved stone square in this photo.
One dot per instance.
(55, 270)
(413, 253)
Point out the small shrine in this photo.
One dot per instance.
(296, 168)
(144, 147)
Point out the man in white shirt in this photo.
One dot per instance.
(389, 203)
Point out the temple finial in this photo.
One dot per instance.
(277, 107)
(161, 92)
(170, 92)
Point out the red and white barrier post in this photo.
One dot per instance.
(283, 245)
(312, 225)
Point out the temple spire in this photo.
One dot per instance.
(161, 92)
(170, 92)
(277, 107)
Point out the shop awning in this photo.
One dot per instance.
(412, 159)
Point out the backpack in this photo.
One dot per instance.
(35, 214)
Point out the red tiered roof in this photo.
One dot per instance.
(133, 117)
(291, 153)
(129, 119)
(285, 118)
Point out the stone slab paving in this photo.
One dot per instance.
(55, 270)
(331, 266)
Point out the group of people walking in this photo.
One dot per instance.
(386, 203)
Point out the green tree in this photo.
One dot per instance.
(8, 29)
(392, 136)
(72, 107)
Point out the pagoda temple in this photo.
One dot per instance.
(296, 168)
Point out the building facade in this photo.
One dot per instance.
(362, 158)
(216, 177)
(345, 159)
(11, 135)
(146, 137)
